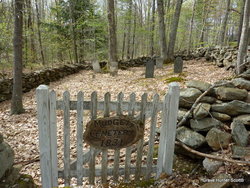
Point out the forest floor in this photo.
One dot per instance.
(21, 131)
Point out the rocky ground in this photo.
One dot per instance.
(21, 131)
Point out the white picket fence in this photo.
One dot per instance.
(47, 104)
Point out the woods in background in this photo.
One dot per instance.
(71, 31)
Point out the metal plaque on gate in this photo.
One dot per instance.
(113, 132)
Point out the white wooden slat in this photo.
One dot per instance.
(53, 139)
(131, 112)
(174, 92)
(93, 111)
(42, 95)
(152, 137)
(140, 142)
(104, 152)
(117, 151)
(110, 171)
(79, 145)
(66, 138)
(113, 106)
(162, 142)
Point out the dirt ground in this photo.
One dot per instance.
(21, 131)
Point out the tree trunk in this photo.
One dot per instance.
(205, 15)
(39, 32)
(73, 33)
(174, 27)
(112, 38)
(152, 30)
(16, 102)
(133, 37)
(241, 22)
(191, 27)
(224, 24)
(162, 31)
(243, 39)
(129, 28)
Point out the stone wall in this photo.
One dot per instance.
(223, 57)
(34, 79)
(221, 118)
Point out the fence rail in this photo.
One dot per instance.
(47, 104)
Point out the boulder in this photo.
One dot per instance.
(181, 114)
(211, 166)
(6, 158)
(240, 152)
(189, 137)
(217, 138)
(233, 108)
(245, 75)
(239, 133)
(227, 94)
(208, 99)
(188, 97)
(241, 83)
(204, 124)
(201, 111)
(220, 116)
(202, 86)
(245, 119)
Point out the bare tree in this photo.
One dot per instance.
(224, 24)
(163, 44)
(174, 27)
(241, 21)
(39, 32)
(112, 38)
(191, 27)
(16, 103)
(243, 39)
(152, 29)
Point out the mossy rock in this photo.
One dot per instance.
(173, 79)
(25, 181)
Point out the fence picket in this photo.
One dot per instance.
(152, 137)
(53, 139)
(117, 151)
(42, 94)
(174, 91)
(79, 145)
(93, 108)
(163, 139)
(131, 112)
(140, 142)
(66, 138)
(104, 152)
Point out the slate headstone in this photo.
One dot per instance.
(178, 65)
(96, 66)
(150, 66)
(159, 63)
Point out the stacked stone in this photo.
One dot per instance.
(223, 57)
(221, 119)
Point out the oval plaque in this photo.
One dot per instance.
(113, 132)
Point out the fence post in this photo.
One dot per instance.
(168, 130)
(42, 95)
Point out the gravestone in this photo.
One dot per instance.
(178, 65)
(159, 63)
(96, 66)
(150, 66)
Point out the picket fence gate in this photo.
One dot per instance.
(47, 104)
